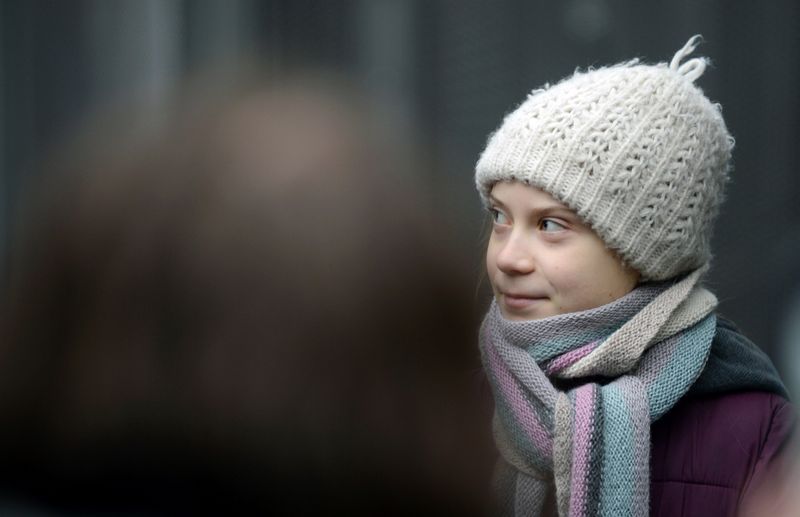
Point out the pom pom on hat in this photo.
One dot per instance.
(637, 151)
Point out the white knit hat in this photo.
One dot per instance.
(636, 150)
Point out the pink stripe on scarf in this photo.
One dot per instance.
(582, 437)
(570, 358)
(522, 410)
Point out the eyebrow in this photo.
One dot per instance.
(496, 201)
(546, 209)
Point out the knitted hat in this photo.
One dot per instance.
(637, 151)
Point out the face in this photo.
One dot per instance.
(543, 261)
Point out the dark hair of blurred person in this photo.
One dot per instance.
(246, 309)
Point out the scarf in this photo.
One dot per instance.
(575, 394)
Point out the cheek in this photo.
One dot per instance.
(572, 277)
(491, 261)
(588, 277)
(494, 246)
(572, 268)
(609, 279)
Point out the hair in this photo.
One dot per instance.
(245, 308)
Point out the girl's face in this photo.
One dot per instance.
(543, 261)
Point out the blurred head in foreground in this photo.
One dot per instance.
(245, 308)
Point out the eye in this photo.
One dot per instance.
(549, 225)
(498, 217)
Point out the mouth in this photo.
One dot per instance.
(521, 302)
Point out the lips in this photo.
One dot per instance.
(521, 301)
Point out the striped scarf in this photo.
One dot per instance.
(575, 395)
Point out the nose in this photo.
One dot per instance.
(516, 256)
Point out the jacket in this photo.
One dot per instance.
(712, 451)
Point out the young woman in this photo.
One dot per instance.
(618, 390)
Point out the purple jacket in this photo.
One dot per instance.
(709, 453)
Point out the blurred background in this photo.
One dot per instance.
(439, 74)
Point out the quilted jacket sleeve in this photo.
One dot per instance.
(764, 491)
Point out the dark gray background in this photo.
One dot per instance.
(448, 71)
